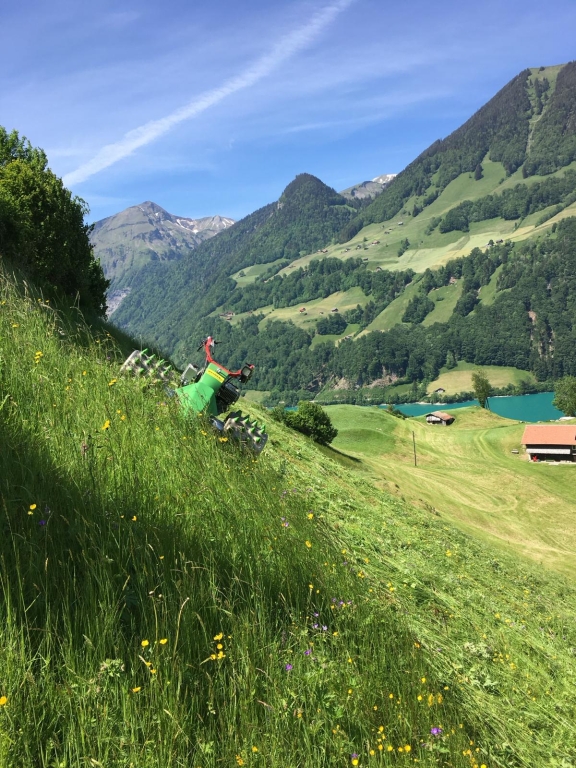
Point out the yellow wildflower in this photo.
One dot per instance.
(164, 639)
(310, 515)
(32, 506)
(145, 643)
(3, 701)
(308, 543)
(134, 518)
(407, 748)
(138, 688)
(254, 749)
(219, 636)
(106, 425)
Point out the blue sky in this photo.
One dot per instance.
(214, 107)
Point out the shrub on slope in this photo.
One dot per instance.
(42, 227)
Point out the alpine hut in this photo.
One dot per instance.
(439, 417)
(550, 442)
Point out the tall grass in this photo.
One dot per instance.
(166, 600)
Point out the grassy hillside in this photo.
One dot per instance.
(459, 379)
(168, 601)
(431, 249)
(468, 474)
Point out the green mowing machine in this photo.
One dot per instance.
(209, 392)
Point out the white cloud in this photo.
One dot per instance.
(287, 47)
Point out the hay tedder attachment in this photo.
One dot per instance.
(210, 391)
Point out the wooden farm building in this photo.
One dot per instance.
(550, 442)
(439, 417)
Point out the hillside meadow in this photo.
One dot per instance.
(468, 474)
(166, 600)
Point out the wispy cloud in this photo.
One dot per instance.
(286, 47)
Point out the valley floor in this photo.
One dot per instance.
(467, 473)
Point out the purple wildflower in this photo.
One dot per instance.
(324, 628)
(436, 731)
(314, 626)
(288, 667)
(42, 522)
(308, 652)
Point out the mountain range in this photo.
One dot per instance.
(127, 241)
(326, 290)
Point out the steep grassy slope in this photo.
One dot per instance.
(165, 600)
(468, 473)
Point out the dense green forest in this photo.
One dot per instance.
(42, 229)
(553, 142)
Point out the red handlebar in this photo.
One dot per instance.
(208, 345)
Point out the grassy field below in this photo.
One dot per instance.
(468, 474)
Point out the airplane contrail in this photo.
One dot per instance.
(138, 137)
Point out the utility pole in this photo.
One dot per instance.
(414, 444)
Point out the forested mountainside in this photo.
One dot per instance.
(428, 286)
(128, 240)
(529, 324)
(307, 215)
(530, 123)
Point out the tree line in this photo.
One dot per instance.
(42, 227)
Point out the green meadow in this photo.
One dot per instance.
(459, 378)
(167, 600)
(468, 474)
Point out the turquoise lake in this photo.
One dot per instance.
(522, 408)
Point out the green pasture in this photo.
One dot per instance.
(445, 300)
(249, 274)
(167, 600)
(487, 293)
(459, 379)
(255, 395)
(469, 475)
(315, 309)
